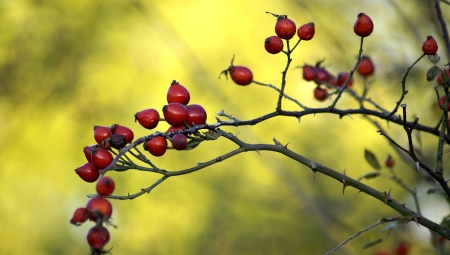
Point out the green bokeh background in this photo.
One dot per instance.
(66, 66)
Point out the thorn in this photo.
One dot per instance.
(348, 114)
(417, 165)
(403, 205)
(314, 175)
(298, 118)
(257, 151)
(276, 142)
(345, 186)
(387, 196)
(287, 145)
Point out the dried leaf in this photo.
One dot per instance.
(432, 73)
(369, 176)
(372, 159)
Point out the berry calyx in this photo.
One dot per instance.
(101, 132)
(88, 172)
(430, 47)
(101, 158)
(175, 114)
(177, 93)
(99, 208)
(79, 216)
(157, 146)
(309, 73)
(366, 66)
(105, 186)
(273, 44)
(148, 118)
(122, 130)
(306, 31)
(98, 237)
(196, 115)
(363, 25)
(342, 78)
(241, 75)
(179, 142)
(320, 94)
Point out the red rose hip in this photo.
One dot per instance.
(306, 32)
(157, 146)
(366, 66)
(101, 158)
(273, 44)
(105, 186)
(430, 47)
(363, 25)
(285, 28)
(179, 142)
(196, 115)
(88, 172)
(101, 132)
(241, 75)
(99, 207)
(122, 130)
(177, 93)
(79, 216)
(175, 114)
(320, 94)
(148, 118)
(98, 237)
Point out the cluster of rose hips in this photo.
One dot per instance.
(362, 27)
(177, 113)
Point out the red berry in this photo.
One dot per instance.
(342, 78)
(148, 118)
(273, 44)
(179, 142)
(333, 80)
(105, 186)
(390, 162)
(88, 152)
(320, 94)
(439, 77)
(79, 216)
(285, 28)
(196, 115)
(363, 25)
(97, 237)
(175, 114)
(157, 146)
(241, 75)
(175, 128)
(441, 102)
(101, 132)
(177, 93)
(88, 172)
(101, 158)
(402, 248)
(322, 75)
(99, 207)
(121, 130)
(309, 73)
(366, 66)
(430, 46)
(306, 31)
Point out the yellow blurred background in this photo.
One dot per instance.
(66, 66)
